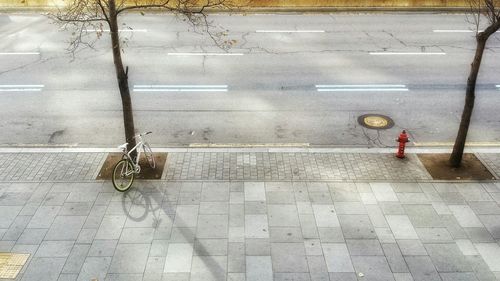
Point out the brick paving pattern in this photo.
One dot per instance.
(49, 166)
(292, 166)
(253, 231)
(492, 160)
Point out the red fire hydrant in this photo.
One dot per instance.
(403, 139)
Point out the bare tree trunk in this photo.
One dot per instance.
(470, 94)
(122, 77)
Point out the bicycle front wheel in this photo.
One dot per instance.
(149, 155)
(123, 175)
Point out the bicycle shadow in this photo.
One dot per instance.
(148, 204)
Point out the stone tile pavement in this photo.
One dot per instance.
(43, 166)
(292, 166)
(258, 166)
(226, 230)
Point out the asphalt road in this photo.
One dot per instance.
(408, 66)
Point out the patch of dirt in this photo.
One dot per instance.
(146, 173)
(471, 169)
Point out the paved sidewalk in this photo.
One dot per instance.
(221, 230)
(35, 165)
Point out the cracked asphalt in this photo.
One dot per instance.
(271, 96)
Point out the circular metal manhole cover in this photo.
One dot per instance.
(375, 121)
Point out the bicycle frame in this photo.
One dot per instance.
(138, 147)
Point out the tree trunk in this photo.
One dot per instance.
(470, 94)
(122, 77)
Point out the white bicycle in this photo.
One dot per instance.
(125, 170)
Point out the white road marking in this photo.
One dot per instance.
(205, 54)
(120, 30)
(452, 31)
(365, 90)
(180, 88)
(289, 31)
(498, 86)
(407, 54)
(19, 53)
(362, 88)
(21, 88)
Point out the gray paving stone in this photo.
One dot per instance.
(111, 227)
(16, 228)
(288, 257)
(55, 198)
(383, 192)
(257, 247)
(465, 216)
(401, 227)
(179, 257)
(137, 235)
(343, 276)
(308, 226)
(94, 268)
(458, 276)
(492, 223)
(433, 234)
(103, 248)
(76, 259)
(214, 208)
(236, 257)
(76, 209)
(210, 247)
(215, 191)
(291, 276)
(254, 191)
(447, 258)
(485, 208)
(402, 277)
(44, 269)
(259, 268)
(65, 228)
(213, 268)
(283, 215)
(384, 235)
(317, 268)
(255, 207)
(129, 258)
(412, 247)
(376, 216)
(32, 236)
(423, 216)
(186, 216)
(86, 236)
(373, 267)
(422, 269)
(55, 249)
(357, 227)
(350, 208)
(256, 226)
(212, 226)
(331, 235)
(394, 258)
(325, 216)
(285, 234)
(364, 247)
(44, 217)
(490, 253)
(392, 208)
(478, 234)
(337, 257)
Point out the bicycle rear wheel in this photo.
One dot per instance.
(123, 175)
(149, 155)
